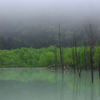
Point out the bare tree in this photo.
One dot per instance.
(92, 38)
(99, 65)
(61, 50)
(85, 56)
(55, 58)
(73, 53)
(91, 34)
(76, 55)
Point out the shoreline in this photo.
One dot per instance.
(41, 68)
(25, 68)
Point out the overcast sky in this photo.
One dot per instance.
(14, 9)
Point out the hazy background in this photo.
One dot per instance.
(25, 23)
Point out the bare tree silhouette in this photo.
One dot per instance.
(61, 50)
(91, 34)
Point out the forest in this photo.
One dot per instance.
(38, 33)
(29, 33)
(45, 57)
(25, 46)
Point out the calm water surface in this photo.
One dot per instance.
(42, 84)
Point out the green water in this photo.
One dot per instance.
(42, 84)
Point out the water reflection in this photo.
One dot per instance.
(73, 97)
(62, 88)
(99, 87)
(85, 85)
(41, 84)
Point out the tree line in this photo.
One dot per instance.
(45, 57)
(37, 34)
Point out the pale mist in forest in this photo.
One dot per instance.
(27, 23)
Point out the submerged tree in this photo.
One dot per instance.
(55, 58)
(85, 56)
(79, 65)
(99, 65)
(61, 51)
(73, 54)
(76, 55)
(92, 38)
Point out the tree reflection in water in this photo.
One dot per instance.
(41, 84)
(62, 88)
(82, 90)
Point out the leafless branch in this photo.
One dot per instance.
(91, 34)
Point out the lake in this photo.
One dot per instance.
(43, 84)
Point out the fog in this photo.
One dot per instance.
(35, 22)
(48, 9)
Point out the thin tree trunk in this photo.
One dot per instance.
(62, 58)
(55, 58)
(76, 55)
(91, 63)
(99, 65)
(61, 51)
(73, 55)
(79, 65)
(85, 56)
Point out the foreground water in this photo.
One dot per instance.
(42, 84)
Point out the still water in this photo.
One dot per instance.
(42, 84)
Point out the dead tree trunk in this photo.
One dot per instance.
(76, 55)
(79, 65)
(85, 56)
(91, 63)
(73, 55)
(91, 34)
(92, 38)
(61, 51)
(99, 65)
(55, 58)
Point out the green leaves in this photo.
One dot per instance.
(50, 58)
(96, 57)
(68, 57)
(30, 57)
(42, 61)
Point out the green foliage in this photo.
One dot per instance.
(30, 57)
(50, 58)
(68, 56)
(96, 56)
(42, 61)
(80, 50)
